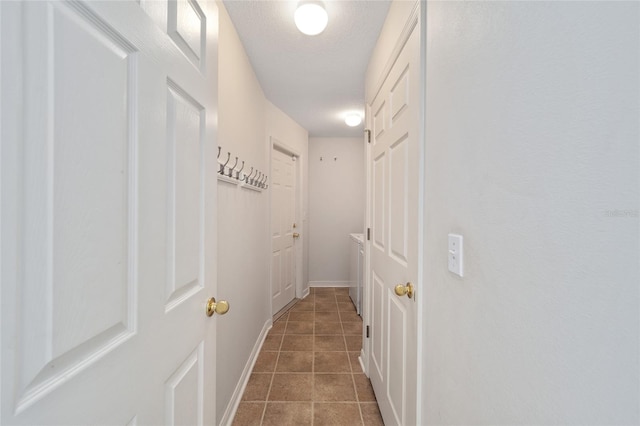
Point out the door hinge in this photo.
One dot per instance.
(368, 234)
(367, 332)
(368, 132)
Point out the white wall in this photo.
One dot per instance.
(336, 206)
(243, 251)
(532, 140)
(246, 120)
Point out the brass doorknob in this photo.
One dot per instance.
(296, 235)
(401, 290)
(220, 308)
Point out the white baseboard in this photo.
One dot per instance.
(306, 292)
(232, 407)
(361, 360)
(329, 283)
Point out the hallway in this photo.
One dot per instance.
(308, 371)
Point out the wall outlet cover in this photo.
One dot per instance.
(456, 254)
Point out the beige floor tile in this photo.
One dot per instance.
(327, 327)
(330, 306)
(278, 327)
(363, 388)
(295, 342)
(291, 387)
(288, 413)
(295, 362)
(266, 362)
(355, 362)
(343, 298)
(324, 290)
(327, 316)
(303, 306)
(354, 343)
(336, 414)
(350, 317)
(282, 316)
(352, 328)
(331, 362)
(299, 327)
(371, 414)
(249, 414)
(346, 307)
(325, 298)
(257, 387)
(329, 343)
(301, 316)
(333, 387)
(272, 342)
(342, 290)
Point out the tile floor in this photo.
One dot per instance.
(308, 371)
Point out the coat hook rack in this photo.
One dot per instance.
(233, 174)
(240, 170)
(245, 178)
(232, 168)
(222, 166)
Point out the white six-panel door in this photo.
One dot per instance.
(283, 205)
(107, 219)
(394, 173)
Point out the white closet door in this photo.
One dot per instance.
(283, 209)
(108, 195)
(394, 170)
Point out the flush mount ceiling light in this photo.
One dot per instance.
(311, 17)
(353, 119)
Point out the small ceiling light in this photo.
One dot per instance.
(353, 119)
(311, 17)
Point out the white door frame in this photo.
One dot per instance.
(422, 237)
(274, 143)
(366, 293)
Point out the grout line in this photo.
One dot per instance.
(273, 373)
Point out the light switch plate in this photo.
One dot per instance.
(456, 254)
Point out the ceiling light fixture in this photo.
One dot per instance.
(311, 17)
(353, 119)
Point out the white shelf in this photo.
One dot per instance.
(228, 179)
(251, 187)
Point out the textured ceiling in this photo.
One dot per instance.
(314, 79)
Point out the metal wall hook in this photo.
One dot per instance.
(219, 150)
(222, 166)
(263, 181)
(255, 183)
(232, 168)
(245, 178)
(238, 172)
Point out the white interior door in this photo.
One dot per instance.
(283, 209)
(394, 170)
(108, 186)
